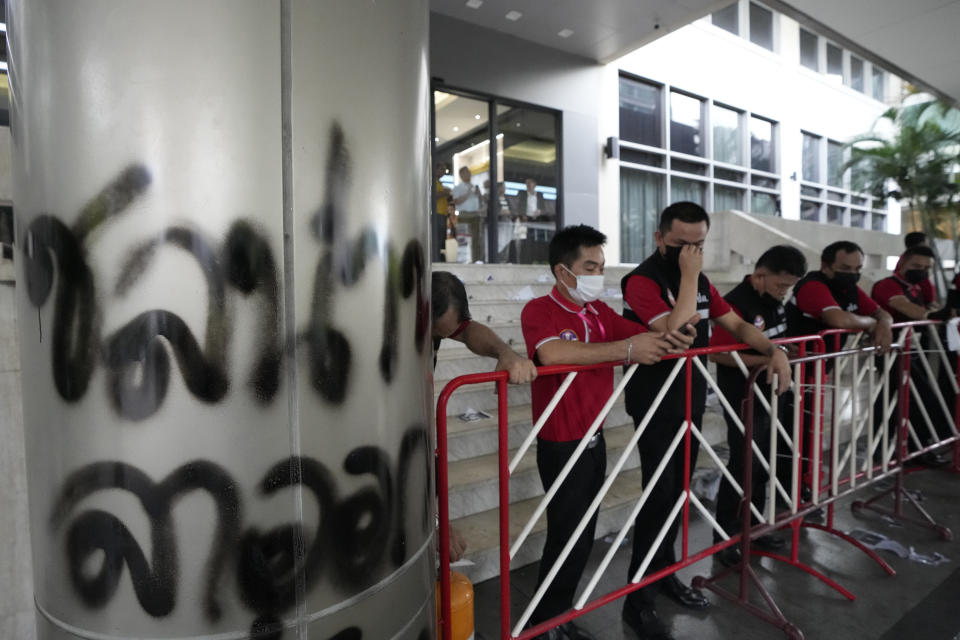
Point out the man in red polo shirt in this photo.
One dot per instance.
(570, 326)
(902, 295)
(911, 240)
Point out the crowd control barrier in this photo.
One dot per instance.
(849, 427)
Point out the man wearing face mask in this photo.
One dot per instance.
(571, 326)
(661, 293)
(830, 299)
(758, 300)
(903, 296)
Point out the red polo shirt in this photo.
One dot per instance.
(643, 296)
(813, 298)
(893, 286)
(553, 317)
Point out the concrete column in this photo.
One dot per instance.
(221, 216)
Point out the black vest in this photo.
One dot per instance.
(767, 315)
(646, 383)
(915, 298)
(801, 324)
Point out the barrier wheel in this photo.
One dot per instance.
(793, 632)
(945, 533)
(856, 506)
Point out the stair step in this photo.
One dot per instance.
(474, 482)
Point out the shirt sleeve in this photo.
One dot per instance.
(718, 306)
(643, 296)
(618, 327)
(866, 305)
(538, 326)
(814, 298)
(721, 336)
(884, 290)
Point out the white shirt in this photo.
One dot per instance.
(472, 203)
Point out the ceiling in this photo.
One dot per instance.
(917, 39)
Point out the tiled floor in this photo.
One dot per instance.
(921, 602)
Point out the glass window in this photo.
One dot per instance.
(726, 198)
(684, 189)
(765, 203)
(641, 157)
(761, 26)
(688, 167)
(856, 73)
(835, 214)
(728, 18)
(809, 211)
(809, 50)
(641, 199)
(686, 124)
(878, 221)
(858, 218)
(811, 158)
(809, 191)
(879, 91)
(728, 174)
(640, 112)
(834, 164)
(835, 62)
(726, 135)
(761, 144)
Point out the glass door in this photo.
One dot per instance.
(501, 205)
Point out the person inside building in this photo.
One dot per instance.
(902, 295)
(571, 326)
(759, 301)
(466, 198)
(441, 220)
(661, 293)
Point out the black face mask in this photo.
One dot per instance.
(671, 255)
(915, 276)
(846, 280)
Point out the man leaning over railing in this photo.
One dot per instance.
(570, 326)
(450, 313)
(904, 297)
(759, 301)
(662, 292)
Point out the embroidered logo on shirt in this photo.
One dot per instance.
(702, 298)
(568, 334)
(759, 323)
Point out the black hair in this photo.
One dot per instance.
(783, 259)
(917, 250)
(829, 254)
(447, 291)
(565, 244)
(689, 212)
(914, 238)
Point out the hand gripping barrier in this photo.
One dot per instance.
(830, 469)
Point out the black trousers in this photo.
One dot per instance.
(729, 515)
(653, 446)
(563, 515)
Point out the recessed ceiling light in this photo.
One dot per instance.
(474, 4)
(514, 16)
(436, 139)
(565, 33)
(456, 128)
(476, 116)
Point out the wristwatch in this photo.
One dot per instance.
(786, 352)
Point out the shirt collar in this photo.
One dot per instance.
(567, 305)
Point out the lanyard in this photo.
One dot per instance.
(586, 321)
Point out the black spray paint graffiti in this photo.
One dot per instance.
(136, 355)
(349, 539)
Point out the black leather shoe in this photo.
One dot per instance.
(931, 460)
(769, 542)
(682, 594)
(645, 623)
(553, 634)
(730, 556)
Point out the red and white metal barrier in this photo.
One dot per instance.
(831, 470)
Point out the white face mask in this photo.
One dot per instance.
(589, 288)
